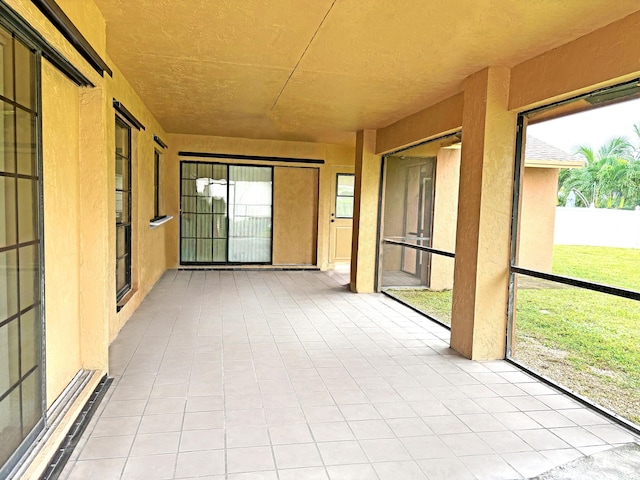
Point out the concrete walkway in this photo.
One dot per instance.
(287, 375)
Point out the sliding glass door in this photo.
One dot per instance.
(21, 317)
(226, 214)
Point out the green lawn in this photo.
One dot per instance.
(560, 330)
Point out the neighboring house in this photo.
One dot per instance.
(437, 216)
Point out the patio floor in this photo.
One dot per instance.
(286, 375)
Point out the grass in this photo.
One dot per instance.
(612, 266)
(586, 340)
(434, 304)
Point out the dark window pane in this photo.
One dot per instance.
(205, 171)
(188, 204)
(25, 79)
(29, 276)
(122, 207)
(220, 250)
(121, 274)
(26, 142)
(220, 226)
(219, 173)
(122, 173)
(8, 284)
(204, 250)
(10, 425)
(7, 139)
(122, 139)
(6, 60)
(190, 170)
(27, 208)
(7, 211)
(220, 203)
(188, 250)
(121, 241)
(188, 225)
(10, 356)
(204, 228)
(189, 187)
(31, 402)
(30, 340)
(204, 202)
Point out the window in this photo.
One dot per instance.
(418, 225)
(344, 195)
(123, 209)
(226, 213)
(21, 317)
(576, 248)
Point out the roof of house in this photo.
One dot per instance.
(541, 154)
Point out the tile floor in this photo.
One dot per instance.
(287, 375)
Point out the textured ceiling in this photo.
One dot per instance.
(319, 70)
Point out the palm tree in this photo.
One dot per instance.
(610, 176)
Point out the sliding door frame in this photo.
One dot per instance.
(228, 168)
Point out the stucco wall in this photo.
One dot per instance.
(60, 130)
(537, 217)
(445, 213)
(602, 227)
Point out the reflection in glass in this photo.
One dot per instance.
(25, 142)
(27, 219)
(6, 62)
(29, 276)
(31, 401)
(7, 211)
(10, 424)
(344, 195)
(7, 138)
(30, 340)
(8, 284)
(10, 355)
(20, 296)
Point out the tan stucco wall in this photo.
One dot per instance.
(606, 56)
(481, 275)
(445, 213)
(333, 156)
(537, 218)
(433, 121)
(61, 182)
(365, 213)
(295, 215)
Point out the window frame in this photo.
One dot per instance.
(352, 197)
(600, 97)
(22, 33)
(127, 226)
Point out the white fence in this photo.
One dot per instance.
(597, 227)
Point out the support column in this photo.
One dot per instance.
(97, 294)
(481, 273)
(365, 213)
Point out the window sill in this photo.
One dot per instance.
(123, 301)
(156, 222)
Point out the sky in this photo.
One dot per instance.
(593, 127)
